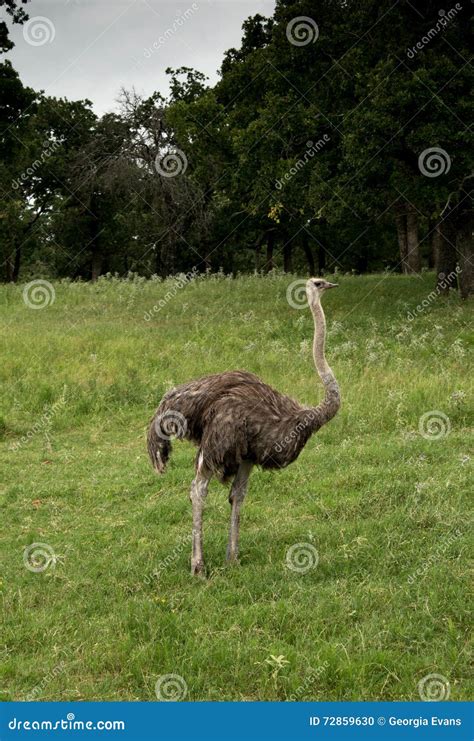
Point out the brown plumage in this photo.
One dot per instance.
(231, 417)
(238, 421)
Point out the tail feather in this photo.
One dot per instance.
(159, 448)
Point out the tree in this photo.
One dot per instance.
(407, 142)
(336, 136)
(17, 14)
(17, 106)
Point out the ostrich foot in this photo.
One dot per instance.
(197, 568)
(232, 557)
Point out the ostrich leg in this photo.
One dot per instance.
(197, 497)
(236, 497)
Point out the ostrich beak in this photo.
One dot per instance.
(331, 285)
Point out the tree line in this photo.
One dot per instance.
(337, 136)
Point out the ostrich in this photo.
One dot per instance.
(238, 421)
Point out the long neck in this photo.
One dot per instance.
(332, 398)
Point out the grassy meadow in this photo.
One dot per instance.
(382, 494)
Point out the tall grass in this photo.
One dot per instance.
(383, 500)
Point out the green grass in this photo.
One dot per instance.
(386, 508)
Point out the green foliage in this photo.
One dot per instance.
(15, 14)
(317, 148)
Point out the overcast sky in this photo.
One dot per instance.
(92, 48)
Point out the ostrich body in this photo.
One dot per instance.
(238, 421)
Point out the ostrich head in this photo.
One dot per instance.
(315, 288)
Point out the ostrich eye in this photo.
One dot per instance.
(317, 282)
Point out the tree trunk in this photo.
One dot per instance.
(12, 263)
(401, 223)
(258, 252)
(308, 253)
(9, 269)
(406, 219)
(167, 257)
(465, 252)
(96, 265)
(444, 247)
(270, 246)
(321, 260)
(432, 239)
(95, 230)
(287, 257)
(257, 256)
(362, 263)
(16, 264)
(413, 244)
(207, 262)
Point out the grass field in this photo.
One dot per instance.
(382, 496)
